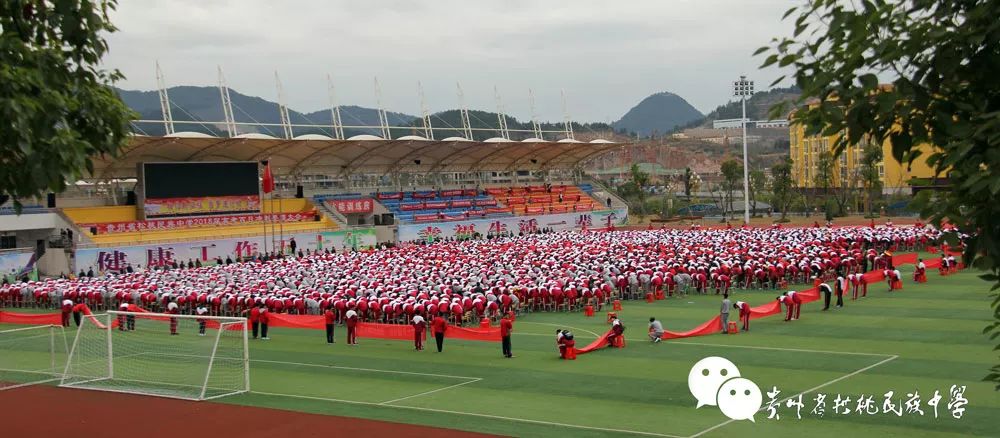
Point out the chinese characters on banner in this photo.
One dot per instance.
(909, 403)
(201, 206)
(351, 206)
(194, 222)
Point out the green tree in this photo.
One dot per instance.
(871, 159)
(943, 57)
(56, 102)
(823, 179)
(732, 174)
(782, 190)
(758, 183)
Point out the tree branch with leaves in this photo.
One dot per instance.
(943, 60)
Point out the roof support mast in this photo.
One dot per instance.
(161, 88)
(501, 116)
(464, 112)
(383, 118)
(568, 124)
(227, 105)
(338, 125)
(535, 126)
(286, 121)
(428, 129)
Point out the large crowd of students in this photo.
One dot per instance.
(468, 280)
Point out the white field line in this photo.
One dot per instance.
(429, 392)
(802, 350)
(891, 358)
(447, 376)
(471, 414)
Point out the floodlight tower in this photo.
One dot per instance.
(743, 89)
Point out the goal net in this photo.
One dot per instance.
(179, 356)
(31, 355)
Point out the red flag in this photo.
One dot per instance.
(267, 185)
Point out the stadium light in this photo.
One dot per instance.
(743, 89)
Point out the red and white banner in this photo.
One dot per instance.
(194, 222)
(201, 206)
(352, 206)
(397, 195)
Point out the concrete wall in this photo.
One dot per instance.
(55, 261)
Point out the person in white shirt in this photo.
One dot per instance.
(201, 311)
(655, 330)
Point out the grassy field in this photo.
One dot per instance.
(925, 338)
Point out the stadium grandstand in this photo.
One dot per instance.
(342, 193)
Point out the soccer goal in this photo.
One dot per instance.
(31, 355)
(180, 356)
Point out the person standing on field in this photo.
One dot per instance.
(172, 309)
(265, 317)
(328, 318)
(439, 326)
(419, 331)
(202, 311)
(506, 327)
(352, 327)
(254, 317)
(724, 313)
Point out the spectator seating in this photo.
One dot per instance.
(461, 204)
(534, 200)
(295, 215)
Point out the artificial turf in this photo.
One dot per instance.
(927, 337)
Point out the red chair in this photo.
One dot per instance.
(588, 311)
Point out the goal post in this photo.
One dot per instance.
(31, 355)
(190, 357)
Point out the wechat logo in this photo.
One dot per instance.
(715, 381)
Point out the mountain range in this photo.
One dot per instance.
(201, 110)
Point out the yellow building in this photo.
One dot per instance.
(806, 151)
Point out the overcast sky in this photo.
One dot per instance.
(606, 55)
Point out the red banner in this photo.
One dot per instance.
(351, 206)
(435, 205)
(397, 195)
(465, 203)
(195, 222)
(486, 203)
(411, 207)
(451, 193)
(201, 206)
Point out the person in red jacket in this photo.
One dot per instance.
(439, 325)
(173, 309)
(329, 318)
(67, 308)
(253, 315)
(352, 327)
(78, 311)
(506, 326)
(265, 317)
(419, 331)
